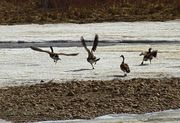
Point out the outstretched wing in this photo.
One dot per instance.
(40, 50)
(96, 39)
(84, 45)
(143, 53)
(154, 53)
(67, 54)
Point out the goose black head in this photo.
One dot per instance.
(122, 56)
(150, 50)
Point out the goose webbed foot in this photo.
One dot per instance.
(92, 66)
(142, 63)
(55, 61)
(125, 74)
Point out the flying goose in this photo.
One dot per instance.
(91, 58)
(54, 56)
(124, 67)
(148, 55)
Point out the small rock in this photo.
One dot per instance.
(71, 93)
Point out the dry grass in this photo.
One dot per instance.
(81, 11)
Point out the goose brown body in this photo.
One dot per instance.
(124, 67)
(54, 56)
(91, 57)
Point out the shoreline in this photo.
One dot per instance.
(93, 22)
(89, 22)
(69, 43)
(88, 99)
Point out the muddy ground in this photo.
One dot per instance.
(88, 99)
(32, 11)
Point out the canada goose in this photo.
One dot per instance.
(148, 55)
(124, 67)
(54, 56)
(91, 58)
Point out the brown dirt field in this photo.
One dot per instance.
(32, 11)
(88, 99)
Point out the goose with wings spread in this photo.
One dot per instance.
(54, 56)
(148, 55)
(91, 58)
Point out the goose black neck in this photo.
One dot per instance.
(149, 50)
(123, 59)
(51, 49)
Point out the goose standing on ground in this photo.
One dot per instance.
(148, 55)
(91, 58)
(124, 67)
(54, 56)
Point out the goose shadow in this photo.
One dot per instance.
(118, 76)
(143, 65)
(173, 67)
(79, 70)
